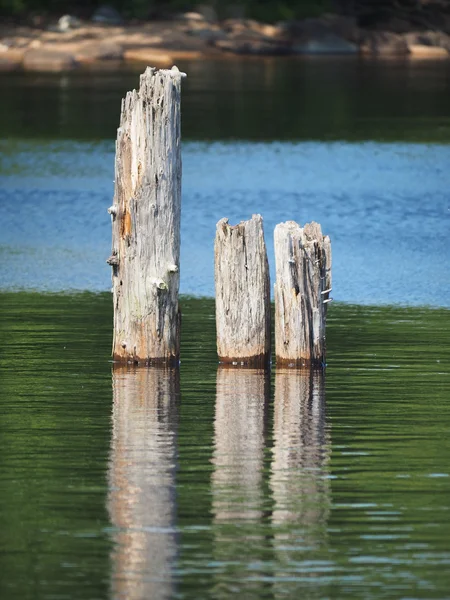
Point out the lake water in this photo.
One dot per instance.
(211, 483)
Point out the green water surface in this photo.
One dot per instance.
(199, 483)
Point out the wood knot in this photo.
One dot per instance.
(113, 260)
(160, 284)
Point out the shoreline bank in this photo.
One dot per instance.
(72, 44)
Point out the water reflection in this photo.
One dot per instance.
(141, 497)
(299, 483)
(241, 403)
(242, 397)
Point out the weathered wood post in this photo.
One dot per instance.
(302, 288)
(146, 222)
(242, 293)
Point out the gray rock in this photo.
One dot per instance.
(239, 25)
(192, 16)
(437, 39)
(67, 22)
(7, 65)
(324, 44)
(383, 43)
(327, 35)
(253, 47)
(48, 60)
(208, 35)
(100, 51)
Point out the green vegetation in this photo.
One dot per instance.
(267, 10)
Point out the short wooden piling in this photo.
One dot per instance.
(146, 222)
(302, 293)
(242, 293)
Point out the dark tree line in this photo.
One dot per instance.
(268, 10)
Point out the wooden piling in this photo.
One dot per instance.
(146, 222)
(242, 293)
(302, 293)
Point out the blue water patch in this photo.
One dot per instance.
(386, 208)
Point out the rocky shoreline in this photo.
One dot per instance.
(106, 42)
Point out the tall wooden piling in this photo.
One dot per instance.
(242, 293)
(146, 222)
(302, 293)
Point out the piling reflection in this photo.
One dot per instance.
(141, 498)
(241, 402)
(242, 397)
(299, 483)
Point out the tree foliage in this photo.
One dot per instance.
(262, 9)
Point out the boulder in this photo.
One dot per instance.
(271, 31)
(249, 35)
(437, 39)
(321, 36)
(324, 44)
(253, 47)
(294, 30)
(192, 16)
(48, 60)
(383, 43)
(7, 64)
(249, 30)
(427, 52)
(99, 51)
(238, 25)
(159, 57)
(13, 55)
(67, 23)
(149, 56)
(208, 34)
(107, 15)
(342, 26)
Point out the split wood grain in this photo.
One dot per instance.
(146, 222)
(302, 287)
(242, 293)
